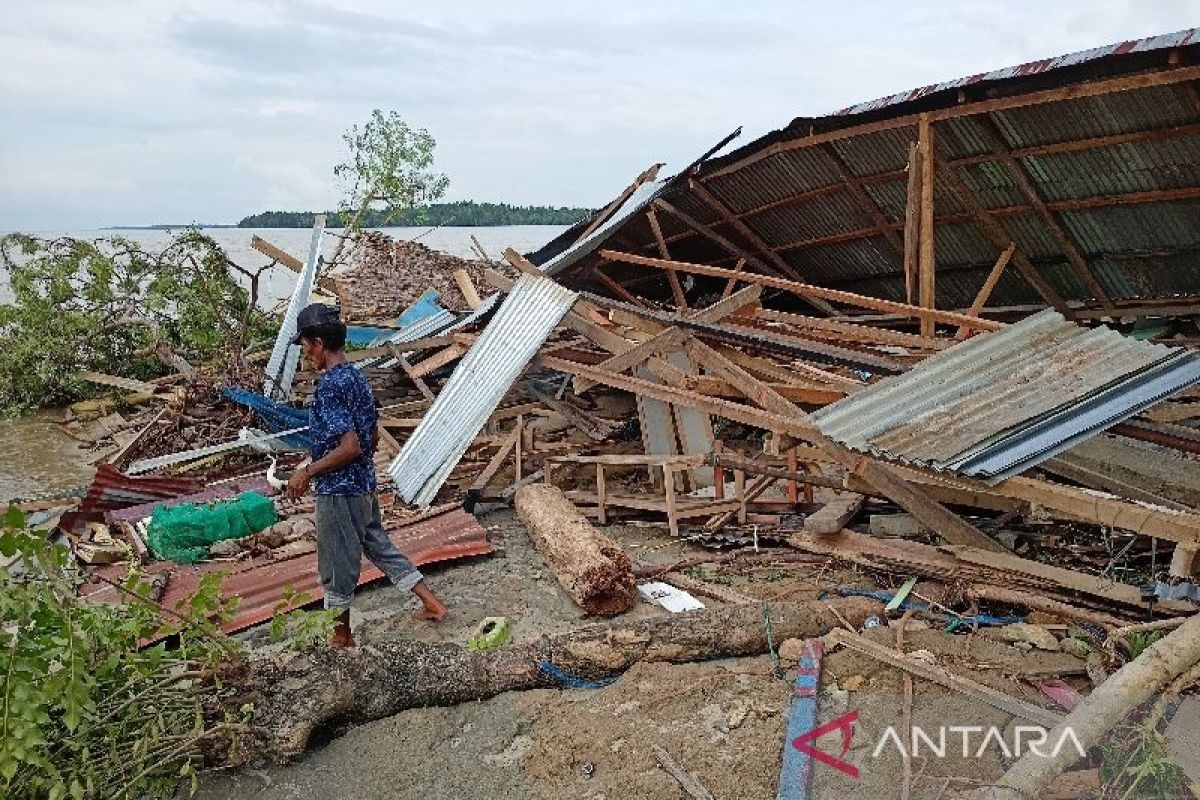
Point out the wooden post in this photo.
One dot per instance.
(601, 493)
(517, 445)
(912, 223)
(718, 473)
(669, 489)
(793, 495)
(926, 288)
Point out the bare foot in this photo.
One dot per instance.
(432, 614)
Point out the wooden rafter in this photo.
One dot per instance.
(863, 199)
(995, 141)
(672, 278)
(988, 285)
(753, 238)
(805, 289)
(1058, 94)
(733, 248)
(649, 174)
(1000, 238)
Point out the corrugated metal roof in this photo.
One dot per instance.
(285, 356)
(1160, 42)
(1101, 195)
(524, 320)
(260, 582)
(1007, 400)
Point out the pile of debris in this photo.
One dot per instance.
(968, 470)
(387, 274)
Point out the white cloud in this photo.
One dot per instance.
(145, 112)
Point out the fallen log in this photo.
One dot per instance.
(334, 689)
(1111, 703)
(592, 568)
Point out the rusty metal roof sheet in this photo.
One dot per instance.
(1007, 400)
(259, 583)
(1160, 42)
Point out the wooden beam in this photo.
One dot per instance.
(805, 289)
(407, 367)
(862, 198)
(755, 240)
(1000, 238)
(672, 278)
(467, 287)
(436, 361)
(497, 461)
(912, 223)
(649, 174)
(1162, 77)
(985, 291)
(738, 252)
(995, 141)
(669, 337)
(857, 333)
(732, 282)
(281, 256)
(833, 516)
(925, 264)
(617, 289)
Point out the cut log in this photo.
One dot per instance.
(1111, 703)
(592, 568)
(335, 689)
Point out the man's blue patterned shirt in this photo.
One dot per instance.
(341, 403)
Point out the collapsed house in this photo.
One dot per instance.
(947, 335)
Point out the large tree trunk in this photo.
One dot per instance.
(337, 689)
(1111, 703)
(592, 568)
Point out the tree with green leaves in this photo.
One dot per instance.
(388, 168)
(110, 306)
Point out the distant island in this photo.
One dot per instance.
(465, 213)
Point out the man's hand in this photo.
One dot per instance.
(298, 485)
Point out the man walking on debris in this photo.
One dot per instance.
(344, 433)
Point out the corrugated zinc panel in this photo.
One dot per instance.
(961, 408)
(526, 317)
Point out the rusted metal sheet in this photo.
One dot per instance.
(1004, 401)
(259, 583)
(112, 490)
(220, 492)
(1161, 42)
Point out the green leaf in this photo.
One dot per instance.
(8, 544)
(13, 518)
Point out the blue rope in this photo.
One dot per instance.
(954, 621)
(570, 681)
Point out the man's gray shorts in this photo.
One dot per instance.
(349, 528)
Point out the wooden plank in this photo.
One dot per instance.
(388, 439)
(731, 284)
(630, 459)
(805, 289)
(672, 278)
(858, 333)
(128, 384)
(634, 356)
(912, 223)
(939, 675)
(402, 360)
(833, 516)
(985, 291)
(925, 264)
(285, 258)
(437, 361)
(467, 287)
(617, 289)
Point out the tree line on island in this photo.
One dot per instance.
(465, 213)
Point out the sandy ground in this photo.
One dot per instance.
(724, 720)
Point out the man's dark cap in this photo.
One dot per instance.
(315, 315)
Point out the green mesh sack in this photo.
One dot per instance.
(183, 533)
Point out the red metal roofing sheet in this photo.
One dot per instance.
(260, 582)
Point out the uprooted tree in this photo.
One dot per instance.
(111, 306)
(387, 170)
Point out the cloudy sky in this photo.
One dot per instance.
(146, 111)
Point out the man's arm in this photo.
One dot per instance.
(347, 450)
